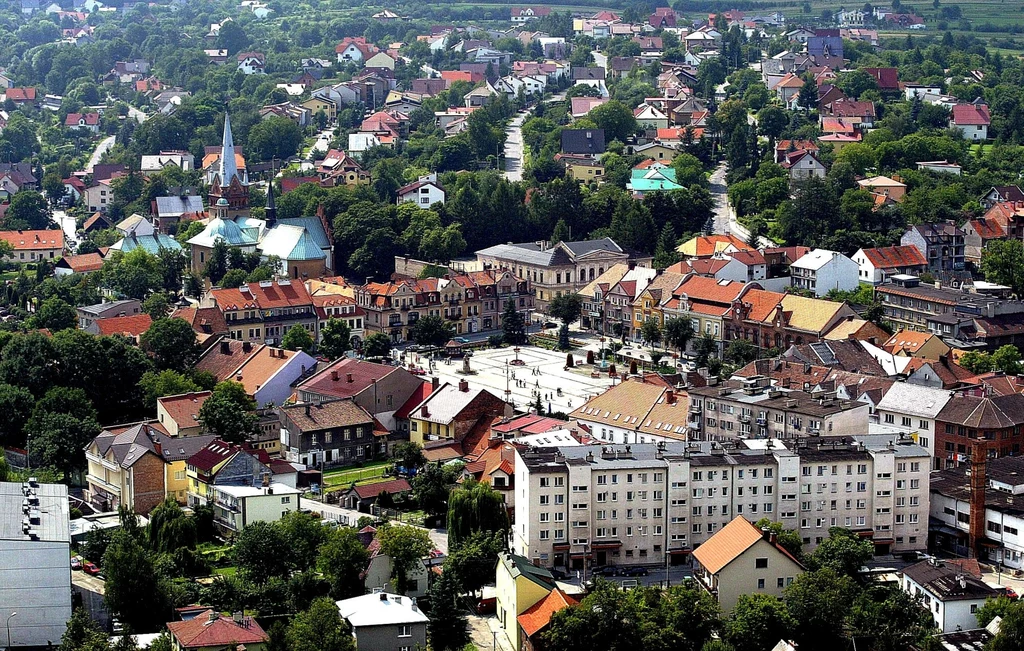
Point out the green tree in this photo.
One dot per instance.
(1002, 262)
(261, 552)
(843, 552)
(132, 591)
(377, 345)
(651, 332)
(448, 628)
(740, 352)
(273, 137)
(157, 384)
(320, 628)
(157, 305)
(61, 438)
(408, 454)
(789, 539)
(678, 333)
(1007, 359)
(172, 343)
(513, 326)
(16, 405)
(342, 559)
(895, 619)
(304, 535)
(297, 338)
(431, 487)
(471, 563)
(771, 122)
(217, 264)
(431, 330)
(992, 608)
(170, 528)
(83, 634)
(616, 119)
(819, 602)
(335, 339)
(228, 413)
(475, 506)
(758, 619)
(1011, 630)
(28, 210)
(807, 98)
(406, 546)
(567, 308)
(55, 314)
(976, 362)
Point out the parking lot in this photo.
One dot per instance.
(530, 371)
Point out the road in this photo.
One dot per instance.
(322, 143)
(514, 148)
(97, 154)
(719, 194)
(67, 224)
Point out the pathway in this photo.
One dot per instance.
(97, 153)
(514, 148)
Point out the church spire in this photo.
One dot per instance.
(228, 168)
(270, 212)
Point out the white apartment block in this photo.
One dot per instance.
(652, 504)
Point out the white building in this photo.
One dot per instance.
(385, 622)
(234, 507)
(650, 504)
(821, 271)
(952, 596)
(911, 409)
(35, 569)
(424, 192)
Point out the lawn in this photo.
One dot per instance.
(346, 476)
(231, 570)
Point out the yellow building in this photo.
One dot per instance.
(583, 169)
(315, 104)
(519, 584)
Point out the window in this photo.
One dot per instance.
(760, 584)
(405, 630)
(760, 563)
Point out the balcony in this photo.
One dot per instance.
(404, 308)
(745, 418)
(762, 422)
(695, 408)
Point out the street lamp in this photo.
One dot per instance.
(9, 618)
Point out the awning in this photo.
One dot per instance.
(883, 541)
(581, 555)
(607, 544)
(560, 547)
(678, 552)
(865, 534)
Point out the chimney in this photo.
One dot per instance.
(424, 412)
(979, 458)
(307, 410)
(348, 378)
(334, 375)
(225, 347)
(213, 616)
(247, 347)
(670, 396)
(435, 382)
(464, 386)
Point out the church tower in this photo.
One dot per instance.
(270, 212)
(227, 184)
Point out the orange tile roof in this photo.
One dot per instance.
(906, 340)
(702, 288)
(132, 325)
(84, 263)
(258, 369)
(263, 296)
(537, 616)
(34, 240)
(762, 303)
(704, 246)
(183, 409)
(726, 546)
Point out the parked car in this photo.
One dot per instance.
(1012, 594)
(91, 568)
(76, 562)
(633, 571)
(606, 570)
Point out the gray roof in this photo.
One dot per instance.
(529, 253)
(133, 443)
(948, 583)
(100, 308)
(583, 141)
(177, 206)
(586, 246)
(52, 507)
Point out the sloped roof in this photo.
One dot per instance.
(83, 263)
(729, 543)
(184, 408)
(327, 415)
(363, 375)
(392, 487)
(132, 325)
(810, 314)
(538, 616)
(200, 632)
(34, 240)
(971, 114)
(703, 246)
(291, 243)
(889, 257)
(995, 412)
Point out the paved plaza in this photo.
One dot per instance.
(542, 371)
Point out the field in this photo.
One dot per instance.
(342, 479)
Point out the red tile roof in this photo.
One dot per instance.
(971, 114)
(363, 374)
(888, 257)
(183, 409)
(887, 78)
(418, 396)
(392, 487)
(202, 632)
(222, 359)
(89, 119)
(34, 240)
(21, 94)
(263, 295)
(132, 325)
(84, 263)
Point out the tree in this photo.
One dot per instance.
(297, 338)
(170, 528)
(513, 326)
(16, 405)
(320, 628)
(408, 455)
(615, 118)
(976, 362)
(706, 349)
(261, 552)
(473, 560)
(342, 560)
(771, 122)
(157, 384)
(156, 305)
(895, 619)
(377, 345)
(651, 332)
(172, 343)
(819, 601)
(273, 137)
(567, 308)
(843, 552)
(55, 315)
(335, 339)
(431, 330)
(678, 333)
(757, 620)
(28, 210)
(807, 98)
(228, 413)
(475, 506)
(1007, 359)
(217, 264)
(448, 628)
(790, 540)
(1011, 630)
(1002, 262)
(304, 535)
(740, 352)
(132, 591)
(60, 439)
(992, 608)
(431, 487)
(83, 634)
(406, 546)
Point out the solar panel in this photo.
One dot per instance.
(824, 353)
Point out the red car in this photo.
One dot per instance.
(1011, 593)
(91, 568)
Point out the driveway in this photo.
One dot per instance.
(514, 148)
(719, 192)
(97, 153)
